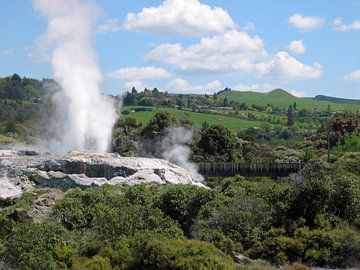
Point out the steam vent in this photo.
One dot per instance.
(25, 170)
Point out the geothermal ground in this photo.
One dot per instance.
(22, 171)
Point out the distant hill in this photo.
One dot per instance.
(282, 99)
(337, 100)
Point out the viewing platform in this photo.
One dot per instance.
(248, 169)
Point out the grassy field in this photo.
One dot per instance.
(282, 99)
(232, 123)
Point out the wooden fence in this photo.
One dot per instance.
(248, 169)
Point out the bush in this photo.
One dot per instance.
(36, 246)
(167, 254)
(183, 203)
(241, 219)
(218, 140)
(95, 263)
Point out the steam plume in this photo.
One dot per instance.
(174, 148)
(88, 116)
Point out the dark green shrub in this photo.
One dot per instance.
(168, 254)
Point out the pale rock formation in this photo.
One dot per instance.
(24, 171)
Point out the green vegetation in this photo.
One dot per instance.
(25, 105)
(230, 122)
(315, 221)
(309, 218)
(5, 139)
(281, 99)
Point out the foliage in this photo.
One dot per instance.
(311, 217)
(33, 246)
(345, 123)
(183, 203)
(218, 140)
(112, 215)
(165, 254)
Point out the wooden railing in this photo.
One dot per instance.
(248, 169)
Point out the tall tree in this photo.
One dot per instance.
(290, 116)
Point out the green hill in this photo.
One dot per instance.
(337, 100)
(282, 99)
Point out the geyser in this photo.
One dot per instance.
(86, 116)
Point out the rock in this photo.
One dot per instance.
(8, 189)
(22, 171)
(241, 259)
(42, 208)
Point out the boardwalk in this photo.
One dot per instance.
(249, 169)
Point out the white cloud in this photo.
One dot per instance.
(142, 73)
(262, 87)
(353, 76)
(7, 52)
(306, 23)
(297, 93)
(112, 25)
(297, 46)
(285, 67)
(340, 26)
(180, 17)
(247, 27)
(232, 51)
(139, 85)
(181, 85)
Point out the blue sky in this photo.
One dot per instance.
(304, 46)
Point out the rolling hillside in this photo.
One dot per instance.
(232, 123)
(337, 100)
(282, 99)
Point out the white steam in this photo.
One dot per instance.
(88, 115)
(175, 149)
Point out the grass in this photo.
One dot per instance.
(230, 122)
(282, 99)
(5, 139)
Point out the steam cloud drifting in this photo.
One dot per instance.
(88, 116)
(174, 149)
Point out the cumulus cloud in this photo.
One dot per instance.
(285, 67)
(7, 52)
(181, 85)
(340, 26)
(111, 25)
(353, 76)
(262, 87)
(180, 17)
(306, 23)
(297, 46)
(139, 73)
(232, 51)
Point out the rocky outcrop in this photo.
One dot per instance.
(22, 171)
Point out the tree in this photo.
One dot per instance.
(345, 123)
(329, 109)
(157, 125)
(218, 140)
(290, 116)
(225, 102)
(243, 106)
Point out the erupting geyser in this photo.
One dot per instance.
(87, 115)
